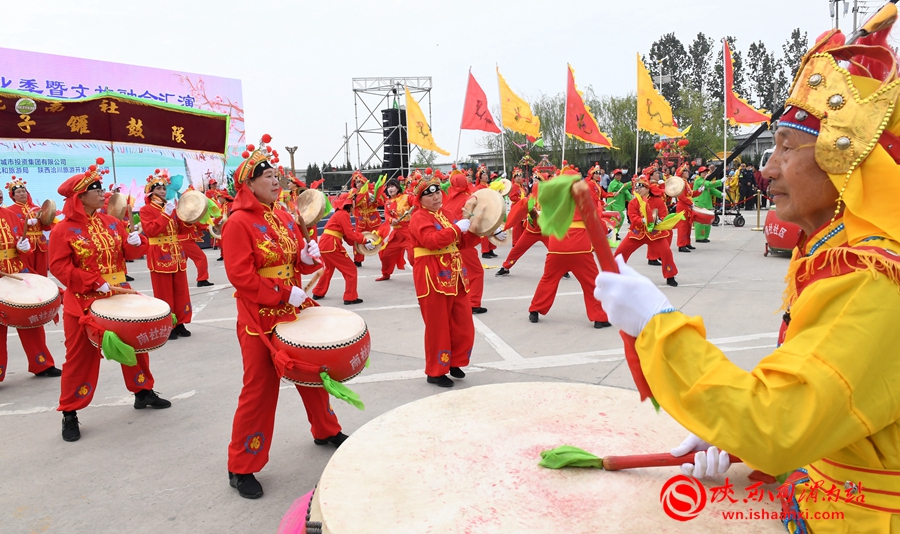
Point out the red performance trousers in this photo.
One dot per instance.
(173, 289)
(520, 247)
(486, 246)
(35, 346)
(475, 271)
(341, 261)
(449, 330)
(82, 367)
(392, 255)
(254, 419)
(684, 229)
(193, 251)
(659, 248)
(36, 262)
(585, 270)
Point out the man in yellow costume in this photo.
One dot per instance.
(824, 407)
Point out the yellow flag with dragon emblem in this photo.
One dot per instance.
(418, 133)
(653, 111)
(516, 112)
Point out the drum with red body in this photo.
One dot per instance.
(30, 302)
(332, 339)
(141, 321)
(703, 215)
(781, 236)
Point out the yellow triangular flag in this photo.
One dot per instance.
(653, 111)
(418, 132)
(516, 113)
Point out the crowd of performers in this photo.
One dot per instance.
(821, 408)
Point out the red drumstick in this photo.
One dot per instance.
(634, 461)
(595, 230)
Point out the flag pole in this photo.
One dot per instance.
(565, 115)
(724, 126)
(462, 117)
(502, 127)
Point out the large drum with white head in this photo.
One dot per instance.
(141, 321)
(331, 339)
(703, 215)
(467, 461)
(30, 302)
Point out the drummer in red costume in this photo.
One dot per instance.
(365, 210)
(15, 255)
(29, 213)
(88, 250)
(531, 233)
(188, 237)
(331, 243)
(459, 193)
(641, 210)
(573, 253)
(265, 254)
(517, 193)
(482, 181)
(442, 284)
(165, 257)
(685, 204)
(398, 209)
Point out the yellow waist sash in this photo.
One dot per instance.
(34, 233)
(8, 253)
(115, 278)
(284, 272)
(165, 240)
(577, 224)
(880, 487)
(422, 251)
(334, 233)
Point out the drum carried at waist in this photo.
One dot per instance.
(140, 321)
(332, 339)
(489, 212)
(703, 215)
(467, 461)
(30, 302)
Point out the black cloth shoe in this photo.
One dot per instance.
(456, 372)
(692, 247)
(440, 381)
(486, 255)
(181, 331)
(357, 263)
(50, 371)
(654, 262)
(671, 282)
(220, 258)
(683, 249)
(335, 440)
(355, 301)
(148, 397)
(602, 324)
(703, 241)
(129, 278)
(204, 283)
(567, 275)
(478, 310)
(533, 317)
(617, 236)
(502, 272)
(173, 335)
(318, 297)
(247, 485)
(70, 431)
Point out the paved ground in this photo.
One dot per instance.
(165, 471)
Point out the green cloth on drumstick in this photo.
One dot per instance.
(569, 456)
(340, 391)
(557, 205)
(117, 350)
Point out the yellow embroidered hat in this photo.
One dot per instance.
(847, 96)
(256, 161)
(13, 184)
(159, 177)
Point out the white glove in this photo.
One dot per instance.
(313, 249)
(629, 298)
(170, 207)
(709, 461)
(501, 235)
(134, 239)
(104, 288)
(702, 187)
(23, 245)
(306, 257)
(369, 245)
(32, 221)
(464, 225)
(297, 297)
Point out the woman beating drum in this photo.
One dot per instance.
(442, 285)
(398, 207)
(15, 250)
(36, 221)
(267, 289)
(88, 250)
(825, 405)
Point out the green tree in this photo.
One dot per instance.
(705, 115)
(716, 91)
(425, 158)
(700, 59)
(794, 50)
(668, 57)
(617, 116)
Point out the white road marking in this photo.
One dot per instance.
(503, 349)
(119, 401)
(185, 395)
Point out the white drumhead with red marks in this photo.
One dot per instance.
(28, 303)
(467, 461)
(131, 307)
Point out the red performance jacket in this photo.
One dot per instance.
(437, 241)
(165, 254)
(336, 229)
(35, 234)
(638, 228)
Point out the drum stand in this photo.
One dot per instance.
(758, 198)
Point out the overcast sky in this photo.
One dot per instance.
(296, 59)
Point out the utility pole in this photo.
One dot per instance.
(855, 14)
(291, 150)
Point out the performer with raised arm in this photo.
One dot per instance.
(398, 208)
(365, 210)
(644, 212)
(29, 215)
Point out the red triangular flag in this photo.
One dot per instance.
(579, 121)
(476, 115)
(736, 109)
